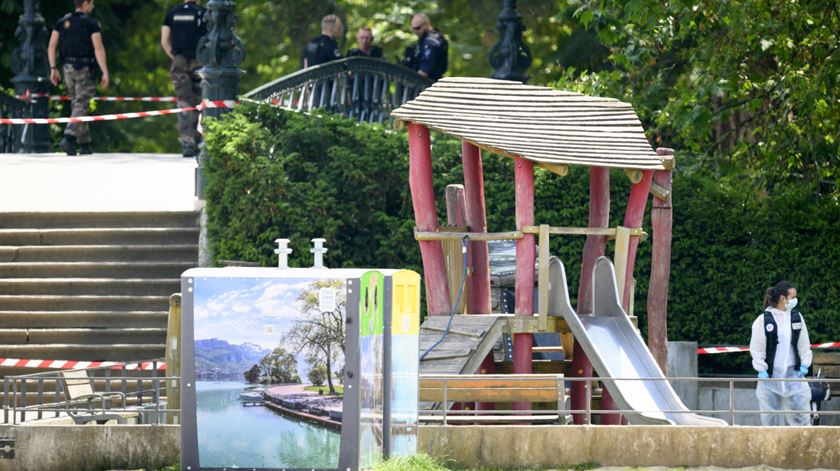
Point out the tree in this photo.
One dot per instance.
(279, 366)
(253, 375)
(317, 374)
(320, 333)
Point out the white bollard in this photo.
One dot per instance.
(282, 252)
(319, 250)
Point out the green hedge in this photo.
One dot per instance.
(275, 174)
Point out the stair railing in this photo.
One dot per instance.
(360, 88)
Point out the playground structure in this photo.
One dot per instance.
(539, 126)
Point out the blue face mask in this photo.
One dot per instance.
(790, 304)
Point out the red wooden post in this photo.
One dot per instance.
(478, 283)
(660, 271)
(525, 258)
(478, 294)
(425, 216)
(633, 218)
(599, 216)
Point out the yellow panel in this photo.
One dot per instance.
(406, 303)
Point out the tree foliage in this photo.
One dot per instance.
(252, 375)
(279, 367)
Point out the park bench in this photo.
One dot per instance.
(80, 399)
(828, 363)
(546, 390)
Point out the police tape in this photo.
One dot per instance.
(710, 350)
(75, 364)
(170, 99)
(118, 116)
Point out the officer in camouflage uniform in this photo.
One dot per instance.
(78, 39)
(182, 27)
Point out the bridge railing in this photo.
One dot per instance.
(11, 107)
(360, 88)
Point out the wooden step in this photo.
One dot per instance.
(95, 269)
(100, 253)
(84, 352)
(46, 220)
(92, 319)
(84, 303)
(100, 236)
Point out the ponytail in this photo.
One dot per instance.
(771, 297)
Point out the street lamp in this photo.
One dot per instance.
(510, 57)
(32, 72)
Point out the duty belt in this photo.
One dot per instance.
(78, 61)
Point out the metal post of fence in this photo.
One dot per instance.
(445, 406)
(23, 406)
(40, 400)
(588, 392)
(732, 401)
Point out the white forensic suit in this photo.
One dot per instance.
(781, 395)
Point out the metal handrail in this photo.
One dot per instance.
(361, 88)
(147, 391)
(444, 413)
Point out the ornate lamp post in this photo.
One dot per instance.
(220, 52)
(32, 71)
(510, 57)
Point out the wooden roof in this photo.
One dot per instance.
(540, 124)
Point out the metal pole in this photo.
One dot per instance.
(220, 52)
(510, 57)
(32, 72)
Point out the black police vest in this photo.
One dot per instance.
(187, 26)
(771, 330)
(74, 36)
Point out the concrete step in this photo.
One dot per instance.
(93, 319)
(99, 253)
(84, 352)
(86, 336)
(83, 303)
(90, 286)
(58, 220)
(94, 269)
(100, 236)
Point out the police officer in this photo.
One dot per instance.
(324, 48)
(429, 57)
(182, 27)
(364, 39)
(78, 39)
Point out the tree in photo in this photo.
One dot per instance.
(279, 366)
(320, 333)
(253, 375)
(317, 374)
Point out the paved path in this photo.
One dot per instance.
(98, 182)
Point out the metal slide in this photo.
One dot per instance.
(616, 350)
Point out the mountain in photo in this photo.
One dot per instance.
(218, 359)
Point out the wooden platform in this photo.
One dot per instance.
(470, 339)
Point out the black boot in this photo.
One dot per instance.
(68, 144)
(189, 151)
(84, 149)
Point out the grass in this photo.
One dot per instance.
(339, 389)
(418, 462)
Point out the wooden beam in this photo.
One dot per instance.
(557, 169)
(425, 215)
(444, 235)
(660, 273)
(478, 292)
(635, 175)
(525, 258)
(455, 217)
(595, 246)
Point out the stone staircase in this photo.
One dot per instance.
(91, 286)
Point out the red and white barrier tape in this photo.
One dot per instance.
(704, 350)
(118, 116)
(170, 99)
(73, 364)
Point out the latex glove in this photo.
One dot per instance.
(763, 375)
(803, 370)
